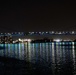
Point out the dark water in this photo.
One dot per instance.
(38, 58)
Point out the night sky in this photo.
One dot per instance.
(37, 16)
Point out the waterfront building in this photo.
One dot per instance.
(6, 39)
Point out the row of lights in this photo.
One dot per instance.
(50, 32)
(12, 33)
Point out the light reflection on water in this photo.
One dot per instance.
(60, 57)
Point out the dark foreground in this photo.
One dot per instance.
(11, 66)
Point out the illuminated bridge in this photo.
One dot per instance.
(39, 33)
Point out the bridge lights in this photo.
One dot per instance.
(72, 32)
(52, 32)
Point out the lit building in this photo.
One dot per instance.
(6, 39)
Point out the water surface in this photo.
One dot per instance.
(43, 58)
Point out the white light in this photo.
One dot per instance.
(46, 32)
(72, 32)
(25, 40)
(59, 32)
(52, 31)
(19, 39)
(33, 32)
(57, 40)
(29, 40)
(40, 32)
(18, 32)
